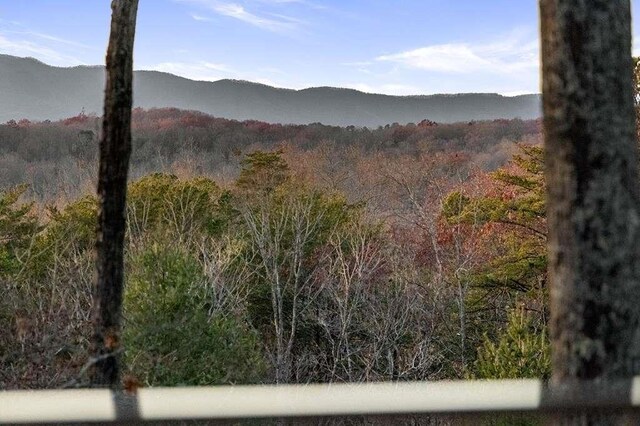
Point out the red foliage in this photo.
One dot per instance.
(79, 119)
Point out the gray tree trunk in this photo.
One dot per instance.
(593, 193)
(115, 149)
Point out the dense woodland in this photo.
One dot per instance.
(263, 253)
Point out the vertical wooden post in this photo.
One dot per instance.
(592, 189)
(115, 149)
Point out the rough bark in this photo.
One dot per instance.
(115, 149)
(592, 189)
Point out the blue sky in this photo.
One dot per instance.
(384, 46)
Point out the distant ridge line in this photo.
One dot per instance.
(37, 91)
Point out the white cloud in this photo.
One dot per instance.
(19, 40)
(286, 18)
(23, 47)
(289, 2)
(271, 22)
(237, 11)
(200, 18)
(509, 56)
(47, 37)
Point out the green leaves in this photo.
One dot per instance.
(163, 205)
(513, 214)
(170, 336)
(18, 226)
(521, 351)
(262, 172)
(510, 218)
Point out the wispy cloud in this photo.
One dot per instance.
(200, 18)
(21, 47)
(273, 22)
(286, 18)
(511, 55)
(48, 37)
(234, 10)
(289, 2)
(19, 40)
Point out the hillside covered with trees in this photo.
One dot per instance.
(260, 253)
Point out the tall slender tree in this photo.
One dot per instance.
(593, 192)
(115, 149)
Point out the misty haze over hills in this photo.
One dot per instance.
(31, 89)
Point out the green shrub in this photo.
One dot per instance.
(17, 228)
(163, 204)
(170, 338)
(522, 351)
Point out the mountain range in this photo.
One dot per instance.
(37, 91)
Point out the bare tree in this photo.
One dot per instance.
(420, 188)
(593, 195)
(115, 149)
(281, 237)
(375, 313)
(351, 266)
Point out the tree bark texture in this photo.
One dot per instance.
(115, 149)
(592, 192)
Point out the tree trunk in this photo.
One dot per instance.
(115, 149)
(592, 189)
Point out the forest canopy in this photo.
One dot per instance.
(291, 254)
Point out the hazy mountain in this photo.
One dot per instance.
(31, 89)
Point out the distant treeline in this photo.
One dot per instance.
(57, 158)
(325, 265)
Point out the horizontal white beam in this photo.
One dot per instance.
(235, 402)
(50, 406)
(337, 399)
